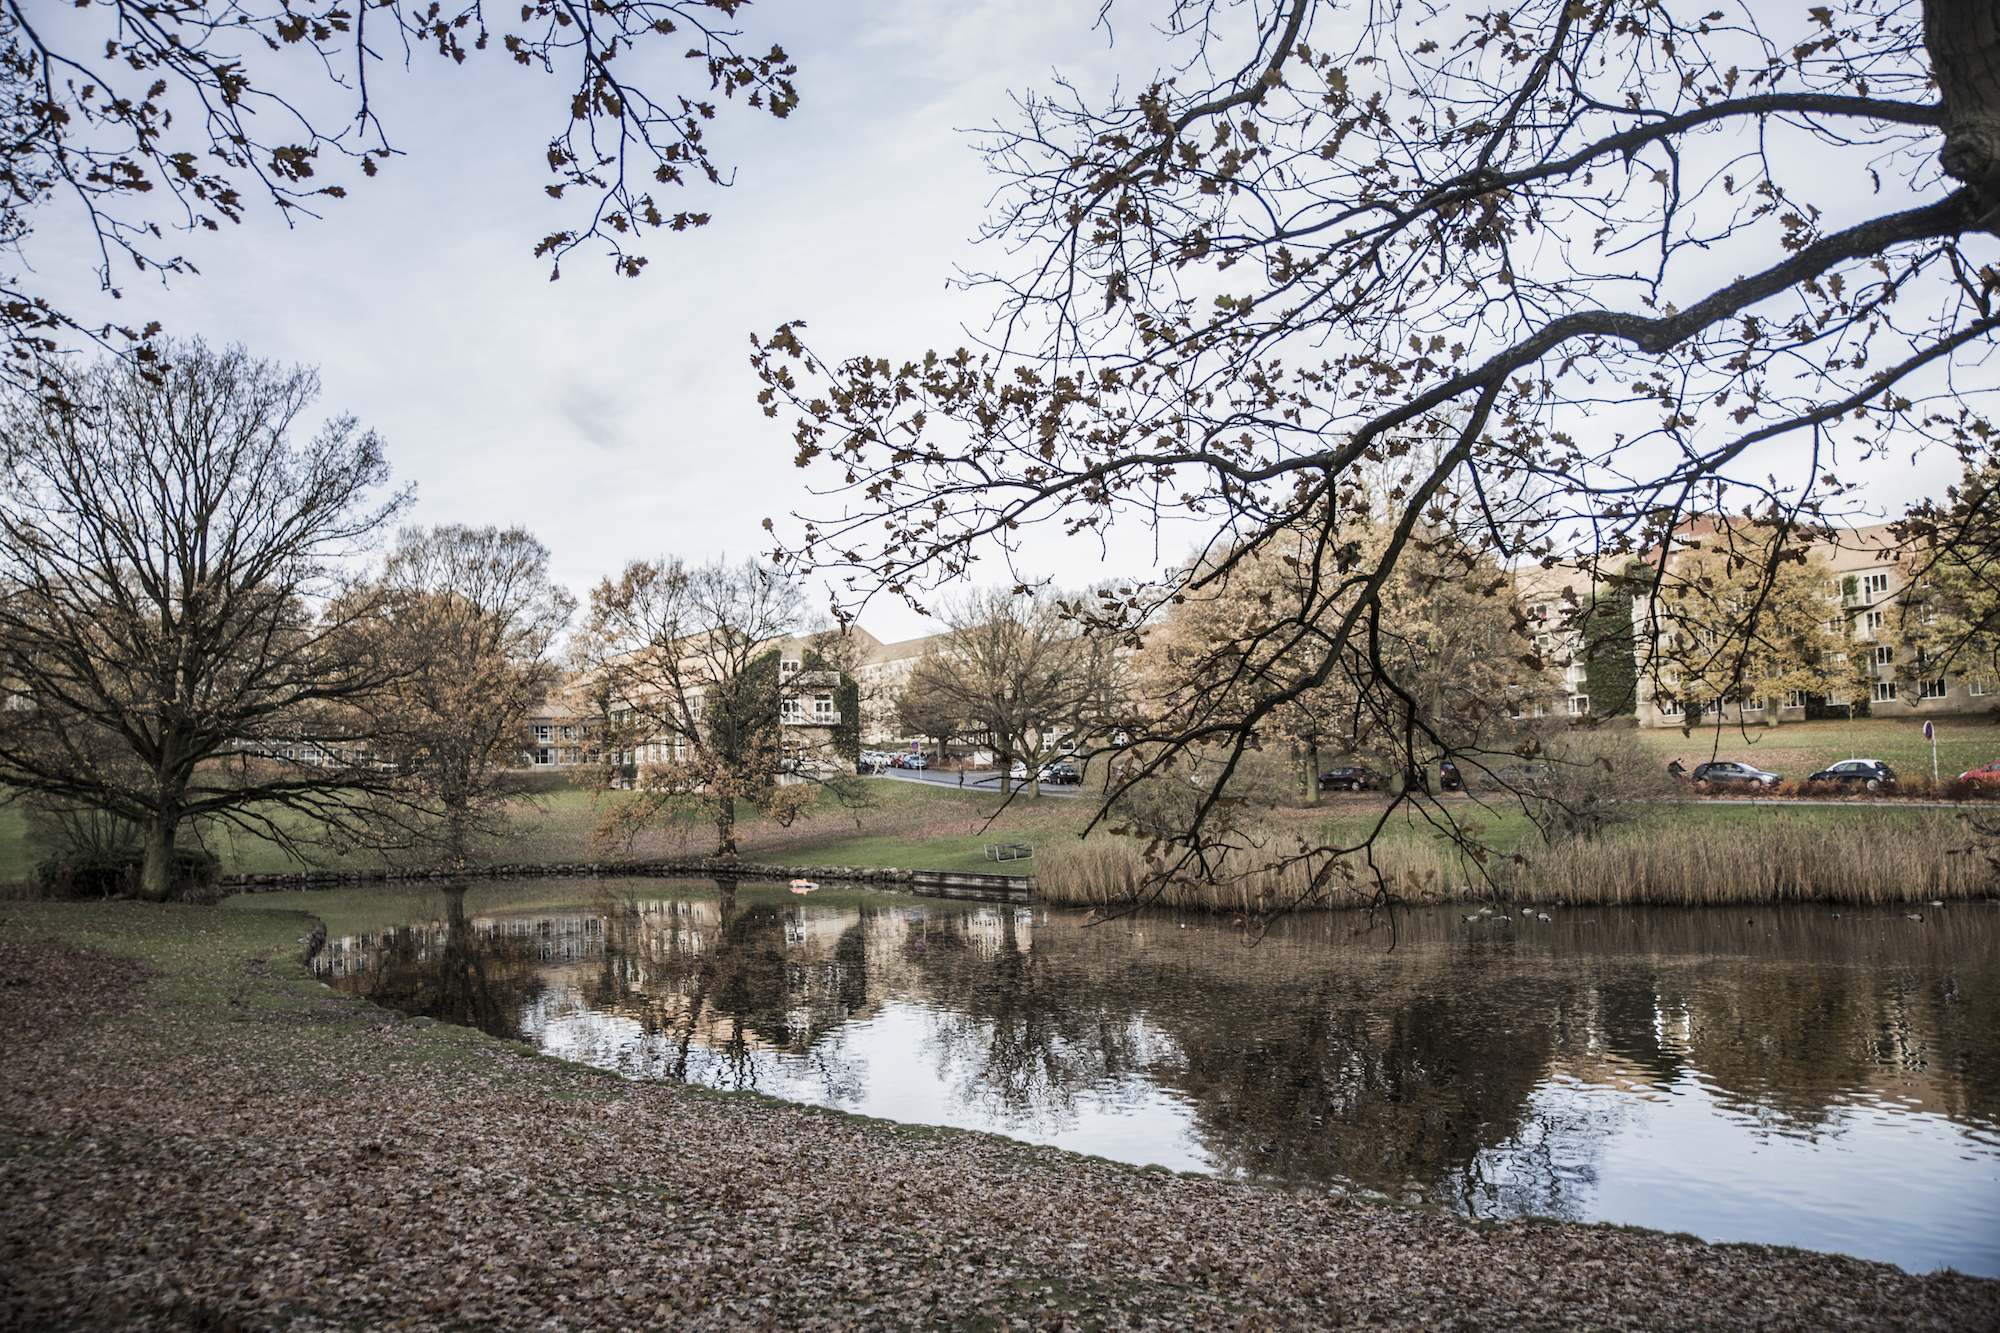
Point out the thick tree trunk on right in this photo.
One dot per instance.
(1963, 38)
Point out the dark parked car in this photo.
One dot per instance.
(1061, 774)
(1872, 774)
(1354, 777)
(1728, 773)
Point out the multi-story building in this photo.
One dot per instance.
(1868, 608)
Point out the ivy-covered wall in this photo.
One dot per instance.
(1611, 669)
(846, 736)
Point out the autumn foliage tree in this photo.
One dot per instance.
(1631, 261)
(471, 620)
(686, 687)
(1745, 621)
(1448, 661)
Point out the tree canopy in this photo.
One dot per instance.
(471, 619)
(1571, 271)
(141, 120)
(170, 568)
(689, 689)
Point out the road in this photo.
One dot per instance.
(991, 782)
(973, 781)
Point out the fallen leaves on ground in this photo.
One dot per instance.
(271, 1156)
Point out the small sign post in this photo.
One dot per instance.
(1930, 734)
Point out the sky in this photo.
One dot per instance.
(617, 418)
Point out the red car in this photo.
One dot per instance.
(1987, 776)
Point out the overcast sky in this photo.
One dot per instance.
(616, 418)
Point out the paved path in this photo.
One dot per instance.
(936, 777)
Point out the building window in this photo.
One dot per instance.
(541, 733)
(1977, 685)
(1753, 705)
(1885, 655)
(1579, 704)
(1872, 621)
(1933, 689)
(569, 733)
(1885, 691)
(1668, 707)
(823, 708)
(1875, 585)
(544, 755)
(787, 668)
(1796, 699)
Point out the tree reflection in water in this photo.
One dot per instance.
(1011, 1032)
(453, 971)
(1485, 1069)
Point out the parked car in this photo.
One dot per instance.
(1872, 774)
(916, 761)
(1354, 777)
(1061, 774)
(1989, 776)
(1728, 773)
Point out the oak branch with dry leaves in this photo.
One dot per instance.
(1553, 278)
(144, 119)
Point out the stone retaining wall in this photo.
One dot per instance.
(929, 883)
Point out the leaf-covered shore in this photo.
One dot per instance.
(195, 1134)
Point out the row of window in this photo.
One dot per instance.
(1884, 692)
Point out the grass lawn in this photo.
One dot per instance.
(926, 827)
(17, 859)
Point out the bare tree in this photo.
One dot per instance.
(168, 558)
(471, 619)
(138, 119)
(688, 682)
(1016, 673)
(1626, 260)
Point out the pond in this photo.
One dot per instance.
(1802, 1076)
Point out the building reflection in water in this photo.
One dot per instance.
(1495, 1071)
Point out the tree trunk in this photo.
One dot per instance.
(156, 881)
(454, 907)
(725, 827)
(1963, 38)
(1312, 772)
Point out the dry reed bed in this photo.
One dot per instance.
(1863, 858)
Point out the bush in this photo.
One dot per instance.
(92, 873)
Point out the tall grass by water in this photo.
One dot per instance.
(1861, 857)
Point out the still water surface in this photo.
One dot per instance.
(1788, 1076)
